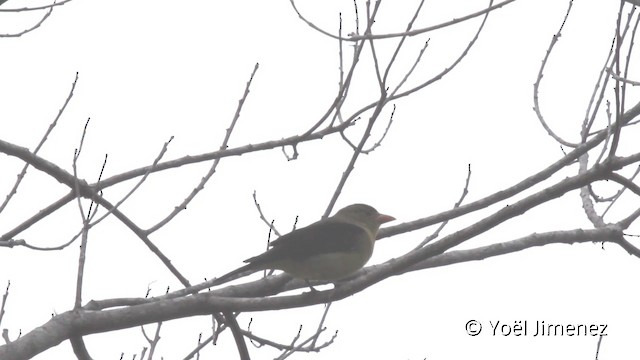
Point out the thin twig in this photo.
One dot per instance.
(214, 166)
(40, 144)
(536, 85)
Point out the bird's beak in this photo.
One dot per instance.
(382, 218)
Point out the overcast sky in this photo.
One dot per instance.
(151, 70)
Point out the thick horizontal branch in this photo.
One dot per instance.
(517, 188)
(84, 322)
(607, 234)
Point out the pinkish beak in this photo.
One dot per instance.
(382, 218)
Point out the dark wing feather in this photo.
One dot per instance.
(319, 238)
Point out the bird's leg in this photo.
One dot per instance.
(310, 286)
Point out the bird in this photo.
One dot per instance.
(327, 250)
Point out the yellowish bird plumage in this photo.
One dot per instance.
(328, 250)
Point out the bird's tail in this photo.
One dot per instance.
(235, 274)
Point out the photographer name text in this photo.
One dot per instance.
(542, 328)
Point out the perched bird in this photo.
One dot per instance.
(328, 250)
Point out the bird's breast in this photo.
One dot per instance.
(328, 266)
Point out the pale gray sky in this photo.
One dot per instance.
(150, 70)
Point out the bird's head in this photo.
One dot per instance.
(363, 215)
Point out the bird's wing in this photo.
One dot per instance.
(322, 237)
